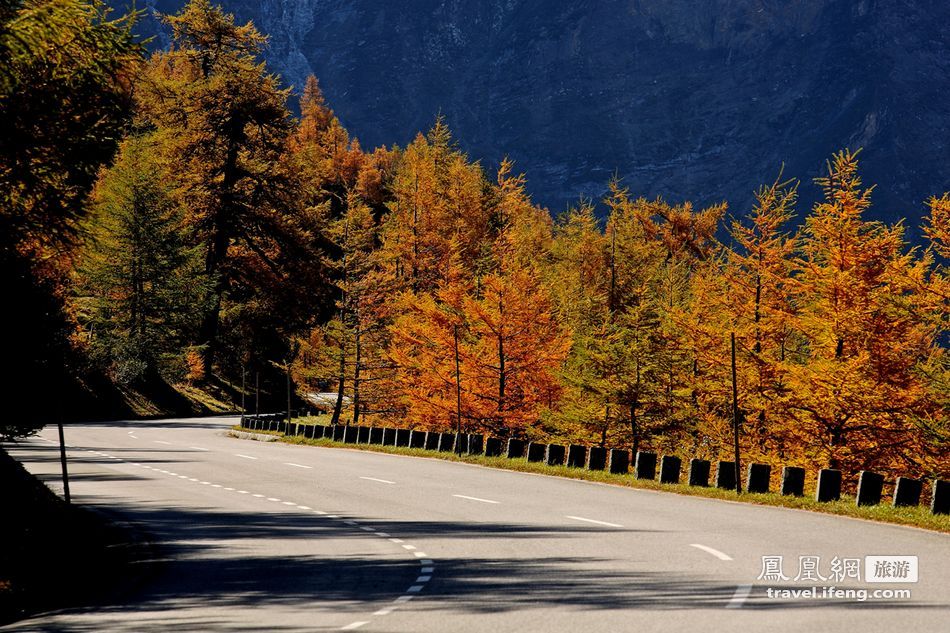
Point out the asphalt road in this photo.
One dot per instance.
(254, 536)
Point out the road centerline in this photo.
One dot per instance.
(710, 550)
(739, 597)
(479, 499)
(382, 481)
(594, 521)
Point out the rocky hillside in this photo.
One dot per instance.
(700, 100)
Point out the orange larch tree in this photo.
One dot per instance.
(854, 398)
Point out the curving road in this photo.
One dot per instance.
(254, 536)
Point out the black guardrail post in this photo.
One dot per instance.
(645, 467)
(757, 478)
(940, 502)
(596, 458)
(870, 488)
(476, 443)
(699, 472)
(907, 492)
(829, 485)
(793, 481)
(726, 475)
(515, 449)
(576, 456)
(555, 455)
(619, 461)
(670, 467)
(536, 451)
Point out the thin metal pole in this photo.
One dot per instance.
(257, 393)
(62, 459)
(458, 394)
(288, 394)
(735, 416)
(243, 392)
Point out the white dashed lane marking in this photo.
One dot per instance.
(710, 550)
(738, 598)
(594, 521)
(479, 499)
(427, 564)
(382, 481)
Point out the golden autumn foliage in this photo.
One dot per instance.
(418, 289)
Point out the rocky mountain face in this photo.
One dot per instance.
(689, 100)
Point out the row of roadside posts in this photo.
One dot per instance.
(645, 465)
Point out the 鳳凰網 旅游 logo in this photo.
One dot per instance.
(809, 577)
(890, 569)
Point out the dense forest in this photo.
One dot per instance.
(168, 219)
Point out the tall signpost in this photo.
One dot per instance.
(735, 415)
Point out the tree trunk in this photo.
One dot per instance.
(634, 428)
(356, 374)
(338, 407)
(501, 360)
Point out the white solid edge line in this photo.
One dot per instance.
(198, 448)
(738, 598)
(709, 550)
(382, 481)
(244, 456)
(353, 626)
(297, 465)
(475, 499)
(594, 521)
(161, 442)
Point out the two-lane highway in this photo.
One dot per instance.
(263, 536)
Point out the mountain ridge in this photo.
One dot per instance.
(688, 102)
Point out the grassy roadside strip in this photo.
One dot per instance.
(919, 516)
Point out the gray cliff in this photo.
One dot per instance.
(700, 99)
